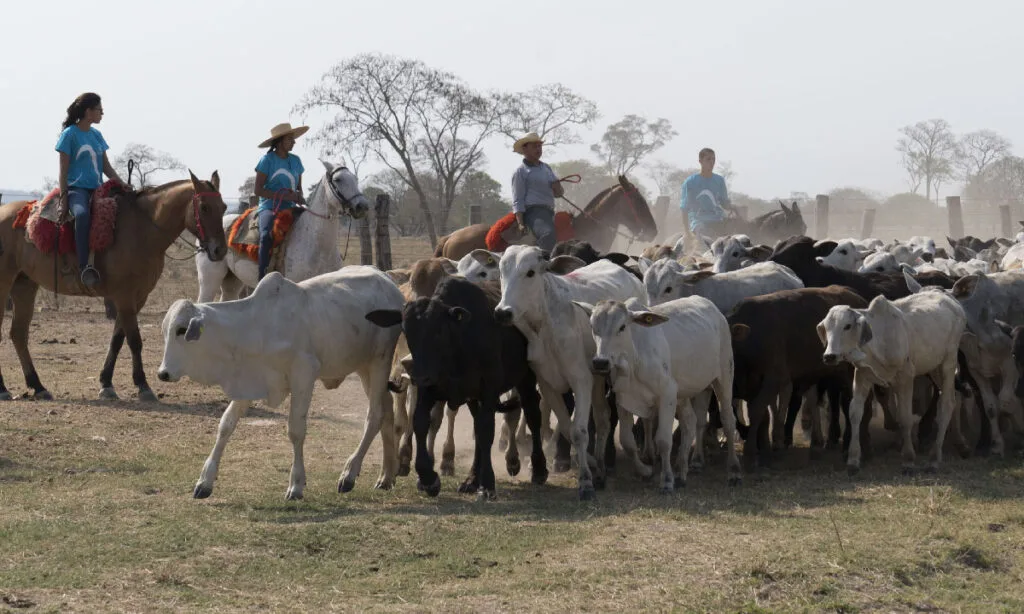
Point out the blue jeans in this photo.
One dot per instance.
(79, 200)
(540, 219)
(265, 218)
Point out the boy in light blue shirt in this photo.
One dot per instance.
(705, 200)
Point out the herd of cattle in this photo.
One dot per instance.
(739, 337)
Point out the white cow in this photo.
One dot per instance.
(889, 344)
(926, 244)
(311, 246)
(846, 255)
(479, 265)
(658, 360)
(666, 280)
(277, 342)
(538, 301)
(736, 254)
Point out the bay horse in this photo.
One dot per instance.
(147, 223)
(311, 245)
(598, 224)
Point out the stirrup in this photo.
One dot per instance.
(90, 276)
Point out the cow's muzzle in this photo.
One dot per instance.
(830, 359)
(601, 365)
(503, 315)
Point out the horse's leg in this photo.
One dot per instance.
(211, 277)
(128, 316)
(231, 288)
(107, 392)
(23, 294)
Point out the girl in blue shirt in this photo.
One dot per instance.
(278, 185)
(83, 162)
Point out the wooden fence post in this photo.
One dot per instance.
(365, 241)
(956, 217)
(867, 223)
(476, 214)
(1005, 225)
(661, 206)
(821, 216)
(382, 240)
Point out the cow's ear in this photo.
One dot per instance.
(644, 264)
(385, 317)
(194, 330)
(1006, 328)
(586, 307)
(562, 265)
(865, 331)
(617, 257)
(822, 333)
(648, 318)
(740, 332)
(484, 257)
(458, 314)
(760, 252)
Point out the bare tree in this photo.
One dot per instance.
(248, 188)
(553, 111)
(929, 150)
(1000, 183)
(627, 142)
(976, 150)
(49, 183)
(147, 162)
(409, 116)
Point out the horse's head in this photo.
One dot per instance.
(794, 224)
(343, 187)
(204, 218)
(636, 214)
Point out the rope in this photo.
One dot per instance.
(629, 237)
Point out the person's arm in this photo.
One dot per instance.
(683, 206)
(299, 194)
(556, 185)
(109, 171)
(62, 181)
(258, 189)
(726, 203)
(519, 197)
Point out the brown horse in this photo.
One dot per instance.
(147, 223)
(598, 224)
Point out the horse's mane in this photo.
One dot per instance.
(156, 189)
(765, 216)
(600, 197)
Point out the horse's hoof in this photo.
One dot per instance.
(433, 490)
(42, 395)
(852, 470)
(562, 465)
(909, 470)
(513, 466)
(469, 487)
(448, 467)
(540, 476)
(293, 494)
(486, 495)
(680, 482)
(346, 485)
(403, 470)
(109, 394)
(147, 396)
(587, 493)
(201, 491)
(384, 484)
(600, 482)
(6, 396)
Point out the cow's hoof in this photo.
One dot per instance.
(147, 396)
(448, 467)
(600, 482)
(852, 470)
(42, 395)
(403, 470)
(513, 466)
(666, 490)
(931, 469)
(735, 481)
(6, 396)
(293, 494)
(562, 465)
(202, 491)
(484, 495)
(680, 482)
(909, 471)
(346, 485)
(469, 487)
(696, 466)
(587, 493)
(108, 394)
(433, 490)
(384, 484)
(539, 477)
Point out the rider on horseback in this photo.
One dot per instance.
(82, 150)
(278, 184)
(534, 190)
(705, 201)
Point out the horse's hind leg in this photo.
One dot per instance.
(107, 392)
(127, 328)
(24, 296)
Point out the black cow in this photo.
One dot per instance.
(462, 356)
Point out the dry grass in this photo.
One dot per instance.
(97, 516)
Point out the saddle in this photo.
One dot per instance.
(42, 227)
(505, 232)
(244, 236)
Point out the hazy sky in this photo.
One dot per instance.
(798, 95)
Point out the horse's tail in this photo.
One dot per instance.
(439, 250)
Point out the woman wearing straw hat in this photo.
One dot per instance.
(278, 184)
(534, 190)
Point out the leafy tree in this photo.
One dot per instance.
(928, 151)
(148, 161)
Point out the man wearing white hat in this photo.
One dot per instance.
(278, 184)
(534, 190)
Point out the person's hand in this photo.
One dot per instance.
(299, 198)
(62, 208)
(522, 228)
(127, 187)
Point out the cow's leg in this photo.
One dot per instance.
(946, 407)
(298, 414)
(688, 426)
(755, 450)
(861, 388)
(563, 450)
(403, 422)
(234, 412)
(780, 407)
(563, 433)
(583, 391)
(628, 442)
(483, 428)
(23, 295)
(904, 392)
(722, 388)
(512, 462)
(601, 414)
(530, 399)
(698, 405)
(429, 482)
(990, 406)
(379, 415)
(448, 450)
(472, 482)
(436, 418)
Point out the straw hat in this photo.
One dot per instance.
(532, 137)
(283, 130)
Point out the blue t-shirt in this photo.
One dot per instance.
(85, 148)
(282, 174)
(703, 198)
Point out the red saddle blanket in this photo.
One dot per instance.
(496, 242)
(43, 232)
(244, 234)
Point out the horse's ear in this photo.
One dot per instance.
(794, 208)
(215, 180)
(327, 165)
(192, 176)
(783, 205)
(624, 182)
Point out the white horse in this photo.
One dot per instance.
(311, 246)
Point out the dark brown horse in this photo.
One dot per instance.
(147, 223)
(770, 227)
(598, 224)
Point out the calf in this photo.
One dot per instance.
(461, 355)
(277, 342)
(479, 265)
(660, 359)
(736, 255)
(666, 280)
(846, 255)
(889, 344)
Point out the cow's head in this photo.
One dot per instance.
(611, 323)
(666, 280)
(845, 255)
(880, 262)
(182, 327)
(480, 265)
(736, 252)
(433, 331)
(844, 332)
(522, 270)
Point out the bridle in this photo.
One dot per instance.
(197, 198)
(346, 203)
(632, 236)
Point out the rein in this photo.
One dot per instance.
(631, 237)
